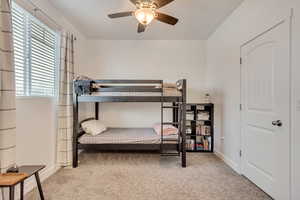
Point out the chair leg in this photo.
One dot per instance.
(22, 190)
(39, 185)
(12, 193)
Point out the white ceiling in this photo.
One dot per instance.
(197, 19)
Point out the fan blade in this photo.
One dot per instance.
(162, 3)
(166, 18)
(141, 28)
(121, 14)
(134, 1)
(159, 3)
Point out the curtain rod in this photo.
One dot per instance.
(37, 9)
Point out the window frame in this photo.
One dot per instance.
(27, 83)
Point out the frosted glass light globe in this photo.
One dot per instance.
(145, 15)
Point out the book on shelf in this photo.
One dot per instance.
(200, 123)
(190, 116)
(203, 130)
(200, 107)
(199, 139)
(206, 144)
(206, 130)
(189, 130)
(203, 116)
(190, 144)
(188, 123)
(188, 107)
(199, 147)
(203, 143)
(209, 143)
(198, 130)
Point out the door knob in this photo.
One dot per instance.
(277, 123)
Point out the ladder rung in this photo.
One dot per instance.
(170, 106)
(169, 140)
(170, 154)
(170, 123)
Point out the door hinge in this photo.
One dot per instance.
(241, 61)
(240, 153)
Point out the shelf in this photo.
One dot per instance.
(189, 120)
(198, 125)
(197, 151)
(200, 104)
(191, 134)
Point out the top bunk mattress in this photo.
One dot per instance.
(126, 136)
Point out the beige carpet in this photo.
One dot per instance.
(142, 176)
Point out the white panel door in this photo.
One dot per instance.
(266, 111)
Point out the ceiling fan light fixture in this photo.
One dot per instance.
(146, 11)
(145, 15)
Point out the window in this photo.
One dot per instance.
(36, 54)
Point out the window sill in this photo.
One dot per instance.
(34, 97)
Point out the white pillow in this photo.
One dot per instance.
(93, 127)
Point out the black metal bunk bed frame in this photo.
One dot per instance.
(82, 93)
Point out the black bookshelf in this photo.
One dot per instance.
(200, 127)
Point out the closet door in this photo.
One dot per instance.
(266, 111)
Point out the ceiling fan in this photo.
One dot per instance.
(146, 12)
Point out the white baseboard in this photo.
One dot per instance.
(228, 161)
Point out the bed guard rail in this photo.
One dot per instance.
(87, 87)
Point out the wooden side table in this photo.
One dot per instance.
(31, 170)
(10, 180)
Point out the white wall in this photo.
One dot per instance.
(296, 103)
(36, 131)
(36, 124)
(223, 74)
(142, 59)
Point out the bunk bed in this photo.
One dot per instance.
(137, 139)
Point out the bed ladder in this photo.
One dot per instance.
(176, 122)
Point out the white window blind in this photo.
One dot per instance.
(36, 55)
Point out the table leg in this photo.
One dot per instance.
(12, 193)
(37, 178)
(22, 190)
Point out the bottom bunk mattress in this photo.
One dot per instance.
(127, 136)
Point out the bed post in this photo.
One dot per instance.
(175, 113)
(97, 110)
(183, 144)
(75, 127)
